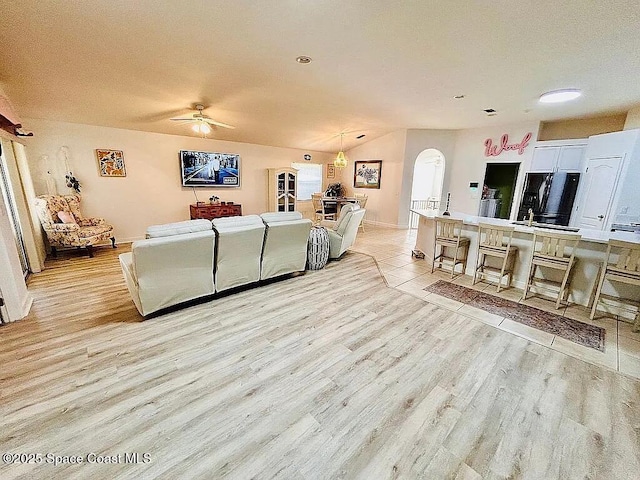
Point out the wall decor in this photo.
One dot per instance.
(491, 150)
(331, 170)
(209, 169)
(367, 173)
(111, 163)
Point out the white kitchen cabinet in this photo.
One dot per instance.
(562, 156)
(571, 158)
(545, 159)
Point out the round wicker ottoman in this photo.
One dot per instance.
(318, 248)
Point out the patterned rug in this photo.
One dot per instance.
(573, 330)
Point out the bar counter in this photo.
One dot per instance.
(590, 253)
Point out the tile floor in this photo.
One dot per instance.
(392, 250)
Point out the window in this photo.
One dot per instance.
(309, 179)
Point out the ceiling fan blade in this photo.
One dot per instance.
(182, 119)
(218, 124)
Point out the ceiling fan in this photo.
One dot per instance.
(201, 121)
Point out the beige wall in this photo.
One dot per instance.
(418, 141)
(581, 127)
(469, 163)
(151, 193)
(633, 119)
(382, 205)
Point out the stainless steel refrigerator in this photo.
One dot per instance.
(550, 196)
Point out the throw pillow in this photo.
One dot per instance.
(66, 217)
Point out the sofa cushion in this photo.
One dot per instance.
(178, 228)
(237, 222)
(285, 246)
(86, 232)
(173, 269)
(66, 217)
(239, 252)
(273, 217)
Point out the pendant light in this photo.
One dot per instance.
(341, 160)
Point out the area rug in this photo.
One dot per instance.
(573, 330)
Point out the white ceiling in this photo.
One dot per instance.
(377, 65)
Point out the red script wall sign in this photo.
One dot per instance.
(492, 150)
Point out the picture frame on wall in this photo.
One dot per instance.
(367, 173)
(209, 169)
(110, 163)
(331, 170)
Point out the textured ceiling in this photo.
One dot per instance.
(377, 65)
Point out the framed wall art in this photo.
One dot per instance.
(331, 170)
(367, 174)
(111, 163)
(209, 169)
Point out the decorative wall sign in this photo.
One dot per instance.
(111, 163)
(492, 150)
(367, 174)
(331, 170)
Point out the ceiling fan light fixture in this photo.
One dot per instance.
(201, 127)
(559, 96)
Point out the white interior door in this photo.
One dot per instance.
(599, 188)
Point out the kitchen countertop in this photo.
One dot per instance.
(588, 235)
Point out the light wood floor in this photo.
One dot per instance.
(392, 248)
(325, 376)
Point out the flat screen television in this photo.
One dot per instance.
(209, 169)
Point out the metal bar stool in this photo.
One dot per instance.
(548, 250)
(622, 264)
(495, 241)
(447, 235)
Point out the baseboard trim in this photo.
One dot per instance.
(388, 225)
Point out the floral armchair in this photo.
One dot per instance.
(72, 230)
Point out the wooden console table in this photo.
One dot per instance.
(209, 212)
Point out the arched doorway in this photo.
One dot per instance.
(428, 177)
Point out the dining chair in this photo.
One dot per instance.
(495, 241)
(448, 235)
(329, 208)
(316, 200)
(622, 264)
(555, 251)
(361, 199)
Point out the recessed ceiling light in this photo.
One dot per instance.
(303, 59)
(458, 97)
(559, 96)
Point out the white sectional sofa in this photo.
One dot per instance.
(183, 261)
(164, 271)
(240, 241)
(178, 228)
(285, 244)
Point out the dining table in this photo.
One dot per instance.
(334, 204)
